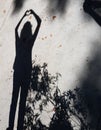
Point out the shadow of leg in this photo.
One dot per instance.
(22, 104)
(15, 93)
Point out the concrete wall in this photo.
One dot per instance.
(65, 41)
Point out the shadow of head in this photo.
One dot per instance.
(26, 31)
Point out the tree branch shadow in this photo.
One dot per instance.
(67, 106)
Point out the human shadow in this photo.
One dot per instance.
(92, 8)
(22, 68)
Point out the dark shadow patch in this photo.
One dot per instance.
(57, 6)
(91, 90)
(18, 4)
(93, 8)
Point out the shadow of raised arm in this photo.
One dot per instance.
(16, 29)
(38, 26)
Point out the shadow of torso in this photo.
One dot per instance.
(23, 60)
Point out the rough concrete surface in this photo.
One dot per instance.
(65, 42)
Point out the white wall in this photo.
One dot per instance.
(65, 43)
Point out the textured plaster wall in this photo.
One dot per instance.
(65, 42)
